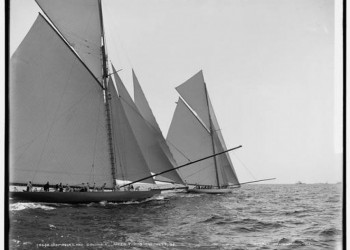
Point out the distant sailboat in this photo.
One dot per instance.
(194, 133)
(68, 122)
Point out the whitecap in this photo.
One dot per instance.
(21, 206)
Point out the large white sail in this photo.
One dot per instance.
(223, 160)
(80, 23)
(130, 163)
(190, 141)
(142, 104)
(194, 93)
(146, 137)
(146, 112)
(57, 117)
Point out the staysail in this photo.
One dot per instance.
(194, 134)
(223, 160)
(142, 104)
(130, 162)
(79, 23)
(147, 138)
(146, 112)
(52, 96)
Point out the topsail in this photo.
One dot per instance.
(79, 22)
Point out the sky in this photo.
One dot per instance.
(271, 69)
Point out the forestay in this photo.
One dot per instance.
(52, 96)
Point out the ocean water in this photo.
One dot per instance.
(253, 217)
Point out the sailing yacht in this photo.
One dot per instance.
(72, 120)
(195, 133)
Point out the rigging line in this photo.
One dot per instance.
(187, 164)
(96, 133)
(26, 147)
(121, 140)
(211, 134)
(183, 154)
(150, 125)
(116, 31)
(111, 128)
(154, 130)
(198, 171)
(244, 166)
(92, 171)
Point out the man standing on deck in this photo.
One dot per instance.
(47, 187)
(29, 186)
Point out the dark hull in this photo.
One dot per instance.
(210, 191)
(82, 197)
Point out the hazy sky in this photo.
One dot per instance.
(269, 66)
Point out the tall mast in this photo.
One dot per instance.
(107, 96)
(212, 137)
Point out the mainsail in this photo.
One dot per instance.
(57, 128)
(194, 133)
(192, 142)
(146, 136)
(67, 124)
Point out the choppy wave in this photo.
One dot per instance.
(22, 206)
(330, 232)
(256, 217)
(186, 195)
